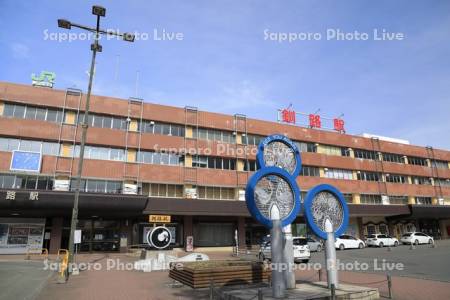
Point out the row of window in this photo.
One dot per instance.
(217, 193)
(160, 158)
(338, 174)
(395, 178)
(97, 186)
(104, 121)
(36, 182)
(32, 113)
(32, 182)
(212, 162)
(165, 190)
(11, 144)
(214, 135)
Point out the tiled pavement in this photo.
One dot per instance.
(129, 284)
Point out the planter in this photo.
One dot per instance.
(200, 274)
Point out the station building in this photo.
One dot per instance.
(145, 159)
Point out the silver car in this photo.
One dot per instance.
(314, 246)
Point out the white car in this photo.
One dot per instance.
(348, 242)
(416, 238)
(381, 240)
(301, 250)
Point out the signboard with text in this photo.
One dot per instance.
(159, 219)
(290, 116)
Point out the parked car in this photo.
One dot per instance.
(416, 238)
(381, 240)
(314, 246)
(348, 242)
(301, 250)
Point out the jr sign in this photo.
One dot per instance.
(45, 79)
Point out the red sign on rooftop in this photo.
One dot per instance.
(290, 116)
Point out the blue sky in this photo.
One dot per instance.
(394, 88)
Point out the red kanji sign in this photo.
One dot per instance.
(314, 121)
(339, 125)
(288, 116)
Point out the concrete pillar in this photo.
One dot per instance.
(434, 201)
(356, 199)
(188, 228)
(360, 227)
(56, 235)
(188, 160)
(405, 159)
(322, 172)
(351, 153)
(125, 235)
(241, 232)
(409, 180)
(131, 155)
(240, 164)
(443, 227)
(189, 132)
(240, 139)
(2, 106)
(411, 200)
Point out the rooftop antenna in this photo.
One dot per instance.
(116, 73)
(136, 84)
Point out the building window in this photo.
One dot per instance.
(47, 148)
(162, 128)
(306, 147)
(310, 171)
(345, 152)
(212, 162)
(252, 139)
(370, 199)
(338, 174)
(159, 158)
(423, 200)
(214, 192)
(368, 176)
(371, 229)
(331, 150)
(103, 153)
(439, 164)
(214, 135)
(166, 190)
(97, 186)
(365, 154)
(399, 200)
(442, 182)
(32, 112)
(421, 180)
(418, 161)
(250, 165)
(31, 182)
(395, 158)
(348, 198)
(395, 178)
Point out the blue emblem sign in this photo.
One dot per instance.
(274, 185)
(326, 202)
(26, 161)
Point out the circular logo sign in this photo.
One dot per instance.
(159, 237)
(279, 151)
(273, 188)
(326, 202)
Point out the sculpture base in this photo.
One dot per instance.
(314, 290)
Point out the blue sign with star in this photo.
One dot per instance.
(26, 161)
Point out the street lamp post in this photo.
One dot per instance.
(99, 11)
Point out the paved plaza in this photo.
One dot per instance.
(425, 276)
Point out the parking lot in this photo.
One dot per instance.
(424, 262)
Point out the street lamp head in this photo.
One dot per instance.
(98, 10)
(129, 37)
(62, 23)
